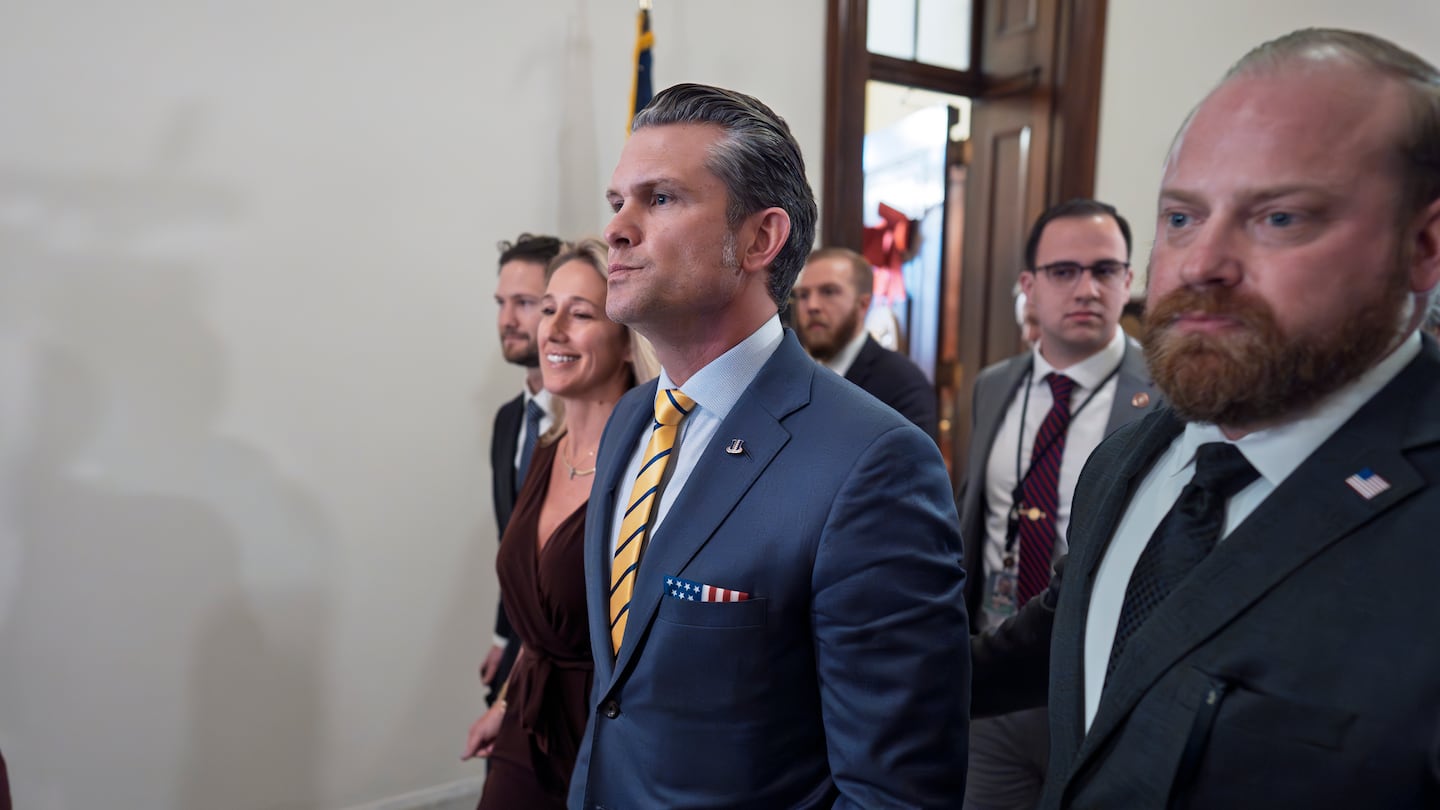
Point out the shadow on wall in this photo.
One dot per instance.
(166, 634)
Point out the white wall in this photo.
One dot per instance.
(248, 363)
(1163, 56)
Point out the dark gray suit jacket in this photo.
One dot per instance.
(1297, 666)
(995, 387)
(895, 380)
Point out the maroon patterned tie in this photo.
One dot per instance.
(1040, 492)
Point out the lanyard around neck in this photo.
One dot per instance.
(1020, 444)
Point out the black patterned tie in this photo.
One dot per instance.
(1184, 537)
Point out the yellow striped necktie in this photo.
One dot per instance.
(671, 406)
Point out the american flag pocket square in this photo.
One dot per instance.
(692, 591)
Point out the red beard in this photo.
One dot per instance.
(1255, 374)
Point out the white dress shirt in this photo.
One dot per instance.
(1275, 453)
(1084, 434)
(715, 388)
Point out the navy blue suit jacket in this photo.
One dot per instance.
(844, 679)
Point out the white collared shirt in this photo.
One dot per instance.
(715, 388)
(845, 358)
(1275, 453)
(1084, 434)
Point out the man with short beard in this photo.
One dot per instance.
(831, 298)
(519, 422)
(1250, 599)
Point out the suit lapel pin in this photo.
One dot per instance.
(1140, 400)
(735, 447)
(1368, 483)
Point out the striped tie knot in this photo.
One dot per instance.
(1060, 387)
(671, 407)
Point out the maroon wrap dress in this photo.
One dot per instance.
(544, 594)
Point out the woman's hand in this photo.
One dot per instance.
(483, 732)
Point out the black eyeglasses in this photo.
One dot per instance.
(1106, 271)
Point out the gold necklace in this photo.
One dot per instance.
(565, 457)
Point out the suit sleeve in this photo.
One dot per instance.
(890, 631)
(1012, 662)
(915, 400)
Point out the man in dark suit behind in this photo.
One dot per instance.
(1076, 280)
(1246, 618)
(793, 633)
(518, 289)
(831, 298)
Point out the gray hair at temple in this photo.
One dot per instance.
(1418, 149)
(758, 160)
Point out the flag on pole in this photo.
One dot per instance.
(642, 90)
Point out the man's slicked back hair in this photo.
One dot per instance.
(757, 159)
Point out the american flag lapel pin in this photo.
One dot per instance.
(1368, 483)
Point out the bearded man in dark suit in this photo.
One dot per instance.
(831, 297)
(1246, 614)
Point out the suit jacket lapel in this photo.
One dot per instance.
(718, 483)
(859, 370)
(1133, 380)
(989, 415)
(1091, 531)
(1311, 510)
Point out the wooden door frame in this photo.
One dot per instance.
(1066, 82)
(1074, 85)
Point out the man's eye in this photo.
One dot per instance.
(1064, 272)
(661, 199)
(1280, 219)
(1107, 270)
(1176, 219)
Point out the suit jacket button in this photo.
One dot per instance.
(610, 709)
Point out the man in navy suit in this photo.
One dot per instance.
(831, 298)
(793, 634)
(1247, 612)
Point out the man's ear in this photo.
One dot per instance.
(1425, 258)
(761, 239)
(1027, 283)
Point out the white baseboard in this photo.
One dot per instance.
(461, 795)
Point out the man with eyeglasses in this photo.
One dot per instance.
(1037, 416)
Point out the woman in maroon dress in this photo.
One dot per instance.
(532, 733)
